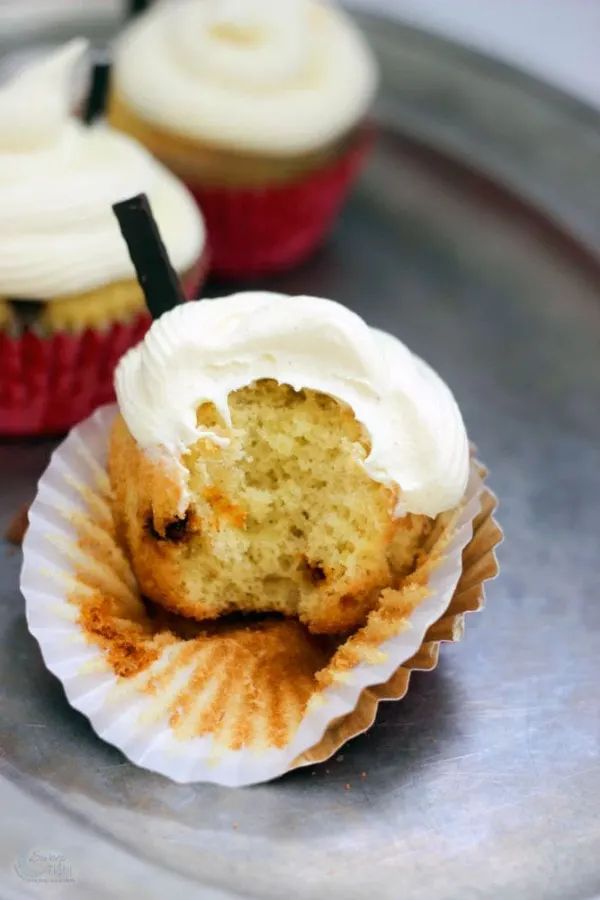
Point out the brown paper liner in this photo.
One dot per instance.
(479, 565)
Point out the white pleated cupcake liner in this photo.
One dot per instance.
(74, 486)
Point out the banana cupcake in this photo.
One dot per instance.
(259, 106)
(276, 455)
(70, 304)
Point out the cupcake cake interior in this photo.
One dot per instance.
(282, 519)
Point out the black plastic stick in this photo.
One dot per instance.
(156, 275)
(96, 98)
(135, 7)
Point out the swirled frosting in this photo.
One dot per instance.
(58, 181)
(274, 76)
(202, 351)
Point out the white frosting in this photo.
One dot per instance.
(58, 181)
(274, 76)
(202, 351)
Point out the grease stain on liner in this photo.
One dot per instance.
(242, 700)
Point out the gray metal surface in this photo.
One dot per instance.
(484, 783)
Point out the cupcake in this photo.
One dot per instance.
(275, 455)
(276, 525)
(260, 108)
(70, 304)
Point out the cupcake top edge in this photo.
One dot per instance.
(284, 78)
(200, 352)
(58, 182)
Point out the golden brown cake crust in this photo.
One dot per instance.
(120, 301)
(212, 165)
(7, 318)
(275, 524)
(144, 497)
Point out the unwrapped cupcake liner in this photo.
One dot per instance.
(48, 383)
(236, 702)
(259, 231)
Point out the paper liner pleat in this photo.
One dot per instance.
(478, 556)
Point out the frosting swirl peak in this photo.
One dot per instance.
(200, 352)
(271, 76)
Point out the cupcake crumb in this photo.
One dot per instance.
(235, 826)
(363, 774)
(16, 530)
(347, 787)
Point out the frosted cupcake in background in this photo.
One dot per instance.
(70, 304)
(259, 106)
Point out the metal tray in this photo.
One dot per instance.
(485, 782)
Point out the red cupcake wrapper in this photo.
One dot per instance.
(49, 384)
(261, 231)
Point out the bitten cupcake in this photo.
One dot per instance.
(276, 455)
(259, 107)
(70, 304)
(277, 524)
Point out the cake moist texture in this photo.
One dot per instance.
(281, 516)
